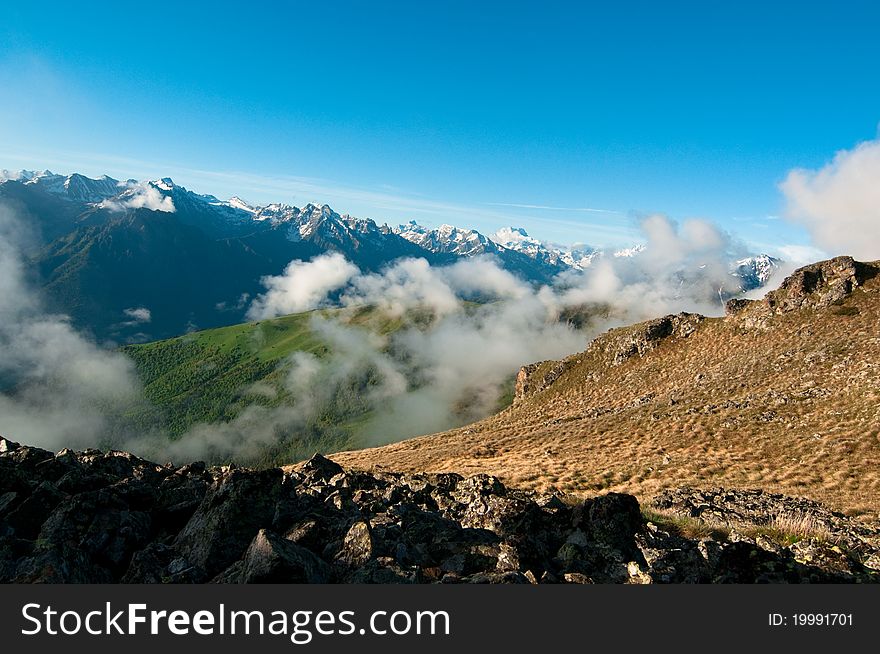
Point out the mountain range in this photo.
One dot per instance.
(134, 261)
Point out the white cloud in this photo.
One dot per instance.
(138, 315)
(681, 268)
(480, 277)
(141, 196)
(801, 254)
(302, 286)
(406, 284)
(425, 378)
(840, 203)
(60, 388)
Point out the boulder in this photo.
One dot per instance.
(536, 377)
(620, 345)
(159, 563)
(29, 514)
(613, 519)
(357, 546)
(273, 559)
(320, 468)
(232, 512)
(7, 445)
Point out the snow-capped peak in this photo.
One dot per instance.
(85, 189)
(447, 239)
(755, 271)
(275, 213)
(237, 203)
(74, 186)
(509, 236)
(630, 252)
(519, 240)
(17, 175)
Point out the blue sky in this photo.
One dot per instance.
(450, 112)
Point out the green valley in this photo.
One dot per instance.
(213, 376)
(284, 384)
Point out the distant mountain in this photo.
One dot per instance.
(194, 261)
(74, 187)
(450, 240)
(752, 272)
(516, 238)
(110, 247)
(630, 252)
(756, 271)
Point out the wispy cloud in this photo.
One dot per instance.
(59, 388)
(139, 314)
(544, 207)
(801, 254)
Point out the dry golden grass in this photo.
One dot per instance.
(792, 407)
(783, 529)
(799, 526)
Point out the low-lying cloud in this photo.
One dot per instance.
(302, 286)
(682, 267)
(57, 388)
(141, 195)
(428, 377)
(840, 203)
(138, 315)
(477, 324)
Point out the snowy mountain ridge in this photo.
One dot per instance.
(322, 223)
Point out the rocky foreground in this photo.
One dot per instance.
(85, 517)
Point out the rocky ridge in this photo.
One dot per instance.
(617, 346)
(822, 285)
(91, 516)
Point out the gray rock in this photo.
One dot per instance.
(7, 445)
(273, 559)
(234, 509)
(358, 546)
(30, 514)
(819, 285)
(320, 468)
(95, 517)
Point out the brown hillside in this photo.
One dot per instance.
(781, 394)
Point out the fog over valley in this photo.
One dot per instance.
(452, 314)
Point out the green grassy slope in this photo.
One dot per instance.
(212, 376)
(206, 376)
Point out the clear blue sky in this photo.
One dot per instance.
(445, 111)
